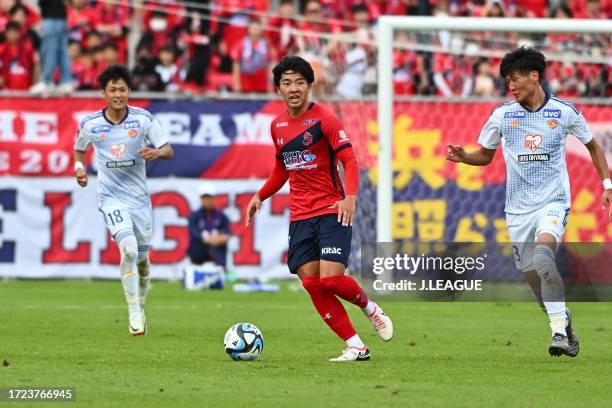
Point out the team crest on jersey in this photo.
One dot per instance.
(310, 121)
(118, 150)
(533, 142)
(552, 123)
(517, 114)
(101, 128)
(132, 124)
(552, 113)
(102, 136)
(132, 132)
(343, 136)
(307, 139)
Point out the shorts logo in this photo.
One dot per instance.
(132, 132)
(532, 142)
(331, 251)
(310, 121)
(101, 128)
(132, 124)
(552, 123)
(552, 113)
(517, 114)
(282, 124)
(307, 139)
(118, 150)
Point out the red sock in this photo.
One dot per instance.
(329, 307)
(346, 288)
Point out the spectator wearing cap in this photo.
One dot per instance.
(209, 230)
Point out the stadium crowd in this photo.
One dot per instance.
(204, 46)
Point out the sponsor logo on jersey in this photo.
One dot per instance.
(523, 158)
(309, 121)
(132, 124)
(343, 136)
(307, 139)
(282, 124)
(514, 123)
(299, 159)
(118, 150)
(517, 114)
(552, 113)
(132, 132)
(331, 250)
(280, 141)
(117, 164)
(532, 142)
(101, 128)
(552, 123)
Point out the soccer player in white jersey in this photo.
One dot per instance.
(532, 130)
(120, 135)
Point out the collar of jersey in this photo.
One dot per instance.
(310, 106)
(127, 111)
(541, 106)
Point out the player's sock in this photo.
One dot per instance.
(553, 289)
(329, 307)
(128, 247)
(347, 288)
(355, 342)
(144, 267)
(370, 308)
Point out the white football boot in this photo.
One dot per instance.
(138, 326)
(353, 354)
(381, 323)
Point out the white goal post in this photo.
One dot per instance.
(386, 27)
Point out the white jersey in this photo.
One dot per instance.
(533, 143)
(121, 170)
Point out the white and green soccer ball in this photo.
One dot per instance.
(243, 342)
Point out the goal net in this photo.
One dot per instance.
(438, 82)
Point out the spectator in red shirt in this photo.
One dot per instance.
(252, 57)
(159, 32)
(112, 22)
(19, 13)
(17, 59)
(81, 19)
(282, 29)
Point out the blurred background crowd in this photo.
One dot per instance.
(202, 46)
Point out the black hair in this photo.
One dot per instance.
(114, 73)
(12, 25)
(524, 60)
(111, 45)
(295, 64)
(18, 7)
(286, 2)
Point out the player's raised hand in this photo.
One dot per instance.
(253, 208)
(149, 153)
(346, 210)
(455, 153)
(606, 199)
(81, 177)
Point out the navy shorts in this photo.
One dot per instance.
(316, 238)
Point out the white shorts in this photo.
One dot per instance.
(118, 218)
(524, 229)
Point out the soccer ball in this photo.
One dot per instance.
(243, 341)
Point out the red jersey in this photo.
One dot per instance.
(309, 148)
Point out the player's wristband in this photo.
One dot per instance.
(79, 166)
(607, 183)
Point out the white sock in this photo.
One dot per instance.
(370, 308)
(144, 267)
(355, 342)
(552, 287)
(129, 274)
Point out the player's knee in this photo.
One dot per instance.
(544, 261)
(143, 263)
(128, 248)
(311, 283)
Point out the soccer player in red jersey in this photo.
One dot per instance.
(309, 142)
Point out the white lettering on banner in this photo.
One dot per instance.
(5, 162)
(177, 126)
(6, 126)
(209, 132)
(40, 128)
(253, 129)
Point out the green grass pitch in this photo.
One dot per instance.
(74, 333)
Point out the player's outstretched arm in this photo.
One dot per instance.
(277, 179)
(480, 157)
(164, 152)
(601, 164)
(79, 168)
